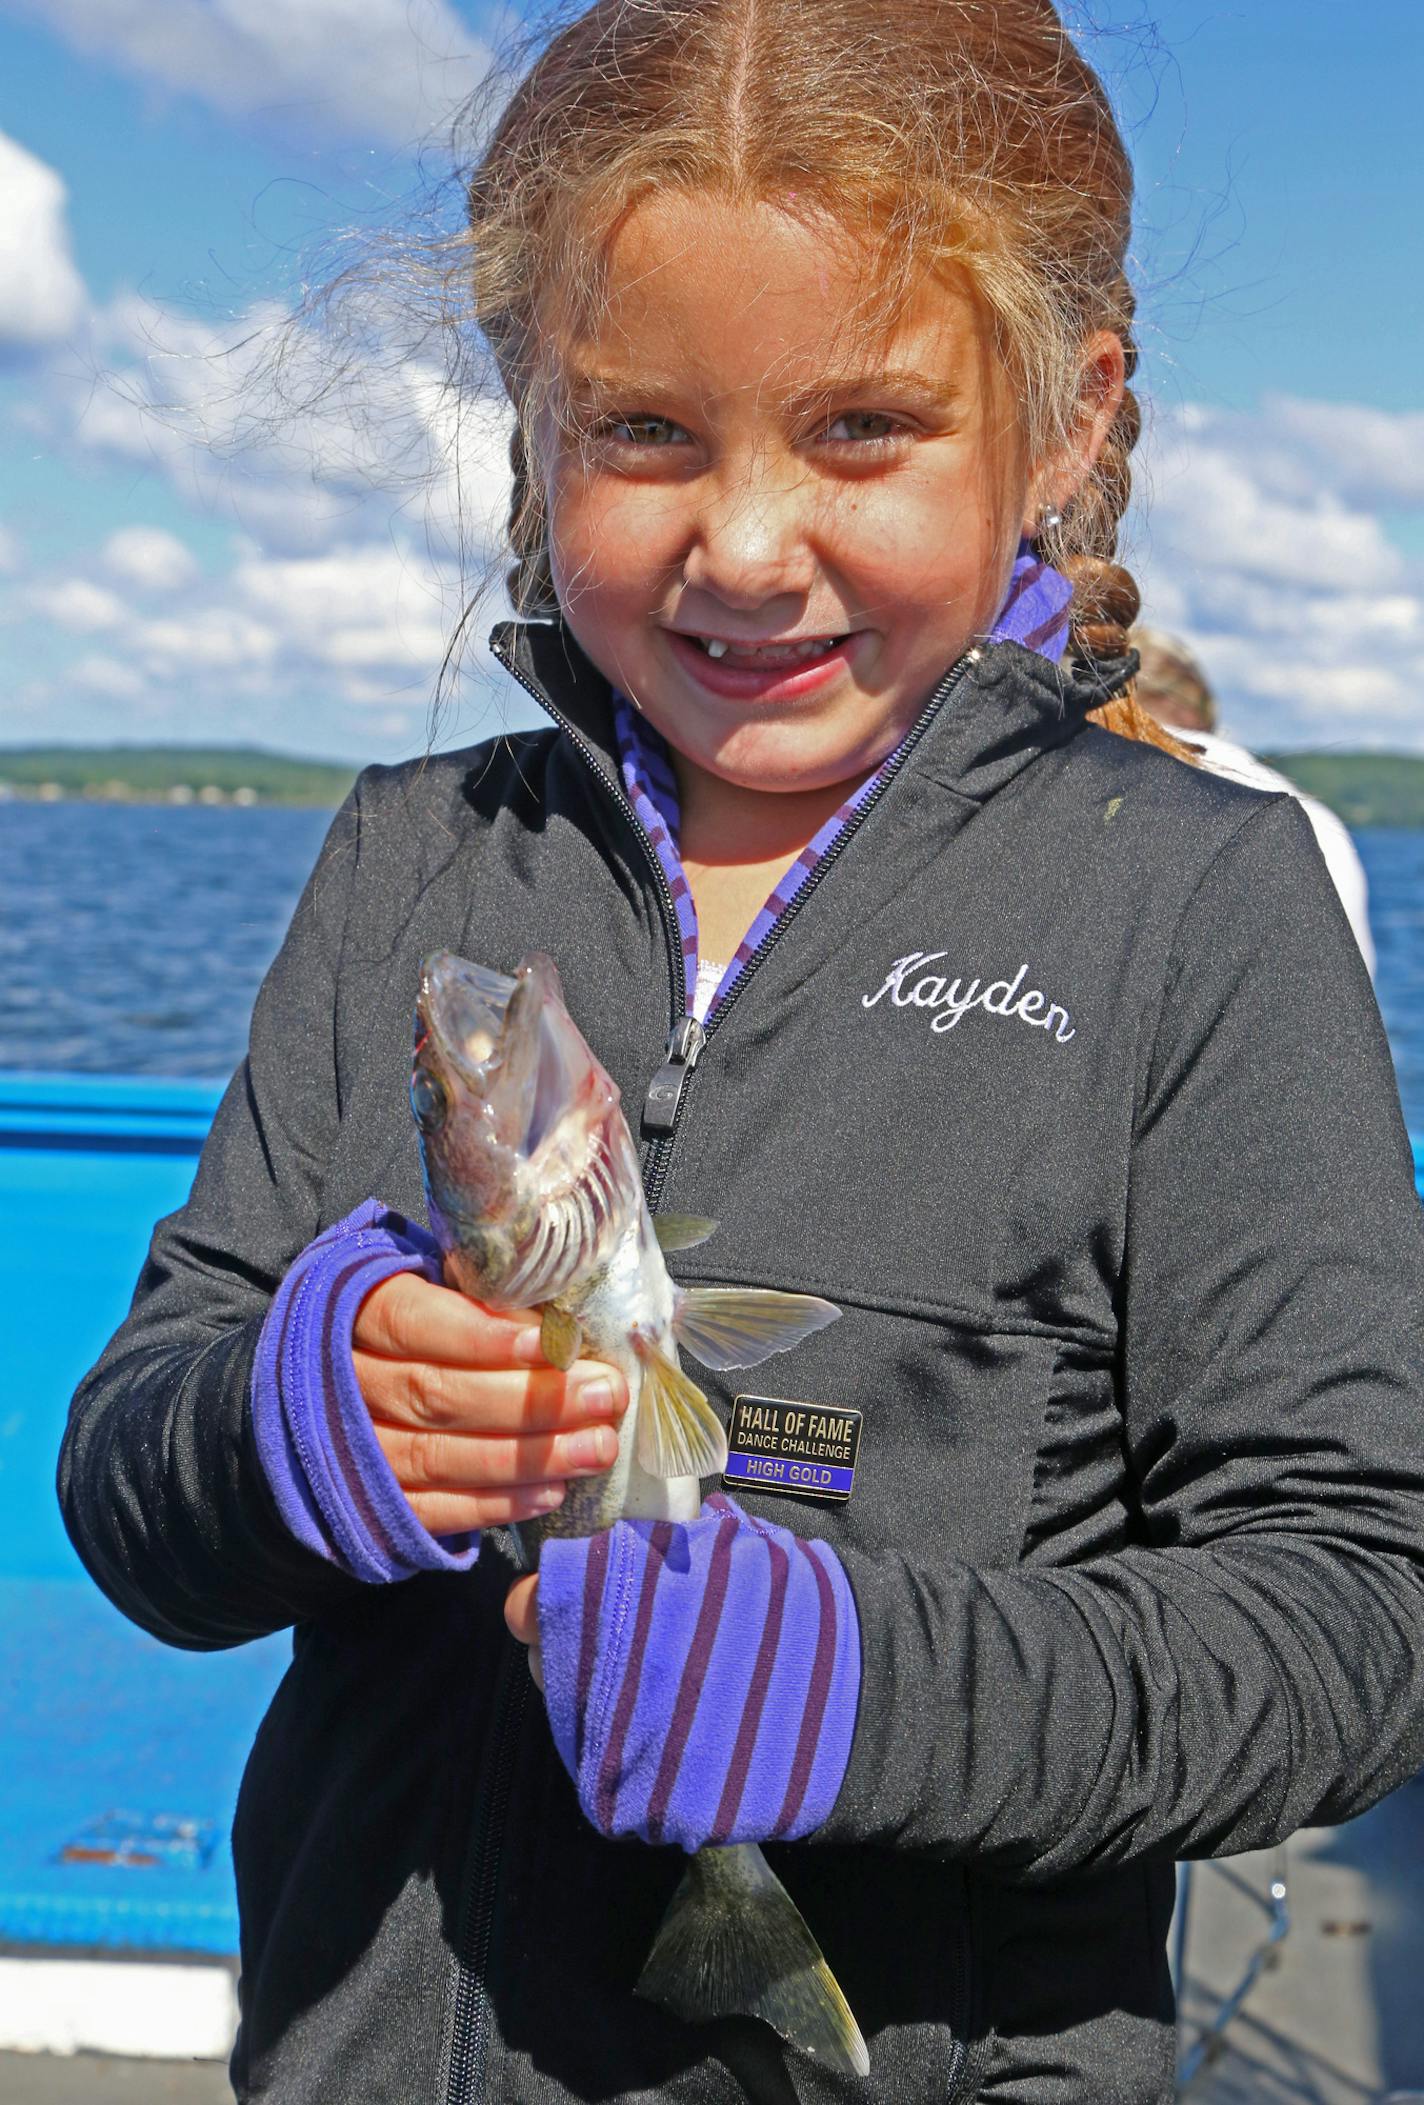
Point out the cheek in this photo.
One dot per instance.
(914, 543)
(608, 538)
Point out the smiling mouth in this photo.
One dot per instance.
(766, 654)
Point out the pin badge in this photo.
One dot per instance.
(806, 1450)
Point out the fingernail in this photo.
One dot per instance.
(596, 1397)
(528, 1349)
(593, 1448)
(548, 1497)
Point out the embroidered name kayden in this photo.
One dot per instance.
(910, 985)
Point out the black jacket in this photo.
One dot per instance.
(1131, 1275)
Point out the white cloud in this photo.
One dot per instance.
(149, 558)
(1369, 457)
(369, 610)
(109, 678)
(41, 293)
(304, 439)
(1261, 543)
(10, 552)
(354, 69)
(216, 639)
(363, 627)
(75, 603)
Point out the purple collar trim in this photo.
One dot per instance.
(1034, 613)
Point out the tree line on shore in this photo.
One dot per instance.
(1366, 789)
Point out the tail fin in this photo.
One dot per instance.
(733, 1943)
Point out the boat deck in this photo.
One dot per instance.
(1335, 2016)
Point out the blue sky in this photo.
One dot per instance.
(165, 162)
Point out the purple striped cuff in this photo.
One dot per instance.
(333, 1486)
(702, 1679)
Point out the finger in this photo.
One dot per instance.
(521, 1609)
(535, 1658)
(408, 1317)
(466, 1512)
(426, 1461)
(489, 1400)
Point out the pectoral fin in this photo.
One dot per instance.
(681, 1231)
(740, 1326)
(679, 1433)
(560, 1336)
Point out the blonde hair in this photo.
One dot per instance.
(966, 132)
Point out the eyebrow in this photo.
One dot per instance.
(907, 382)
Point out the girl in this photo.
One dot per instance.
(1047, 1058)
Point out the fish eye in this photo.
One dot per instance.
(428, 1099)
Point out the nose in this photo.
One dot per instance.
(751, 537)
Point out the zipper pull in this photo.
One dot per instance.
(665, 1089)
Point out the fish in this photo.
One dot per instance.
(536, 1199)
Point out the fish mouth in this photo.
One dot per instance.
(526, 1155)
(511, 1043)
(462, 1007)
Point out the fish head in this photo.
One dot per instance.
(529, 1169)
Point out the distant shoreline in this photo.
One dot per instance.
(1365, 789)
(205, 775)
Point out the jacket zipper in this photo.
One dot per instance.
(660, 1154)
(470, 2023)
(667, 1093)
(623, 803)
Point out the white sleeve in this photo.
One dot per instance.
(1343, 862)
(1224, 757)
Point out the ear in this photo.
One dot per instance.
(1102, 380)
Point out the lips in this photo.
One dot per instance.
(762, 672)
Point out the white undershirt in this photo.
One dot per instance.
(709, 979)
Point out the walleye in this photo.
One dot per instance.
(536, 1199)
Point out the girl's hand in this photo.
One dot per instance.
(477, 1427)
(521, 1612)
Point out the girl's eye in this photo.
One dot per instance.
(641, 431)
(864, 426)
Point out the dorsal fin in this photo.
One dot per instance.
(740, 1326)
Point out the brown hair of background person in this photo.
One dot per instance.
(762, 102)
(1171, 684)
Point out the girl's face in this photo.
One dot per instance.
(774, 545)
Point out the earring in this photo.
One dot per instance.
(1049, 519)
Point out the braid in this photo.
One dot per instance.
(531, 583)
(1106, 601)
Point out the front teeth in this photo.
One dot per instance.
(774, 653)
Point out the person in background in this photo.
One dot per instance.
(1172, 687)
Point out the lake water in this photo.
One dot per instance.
(133, 938)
